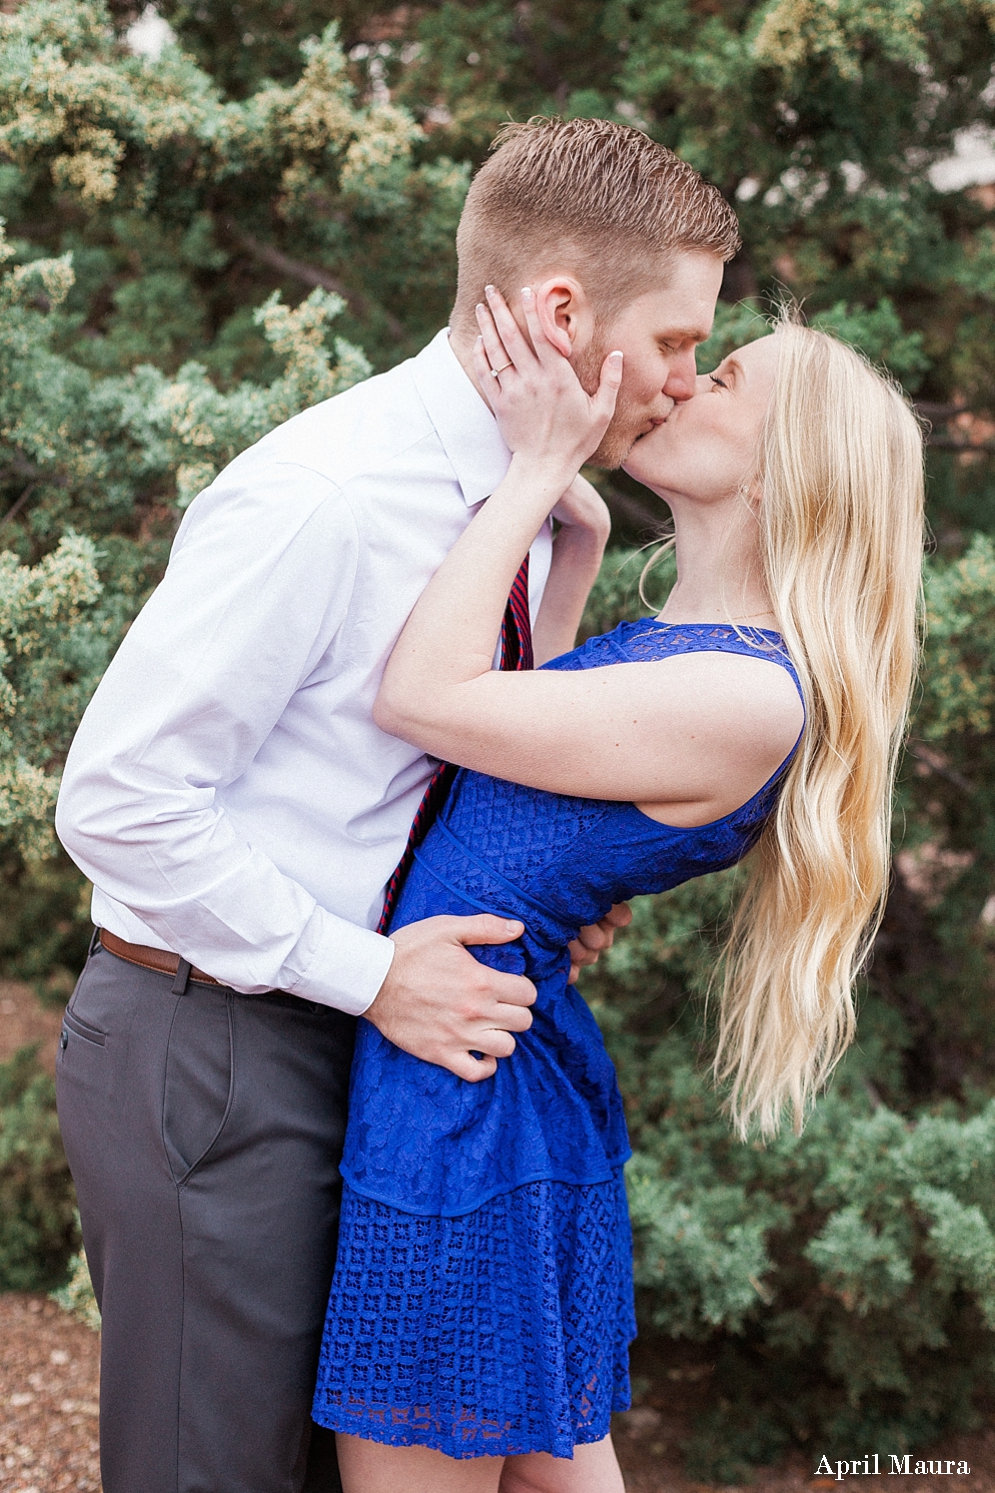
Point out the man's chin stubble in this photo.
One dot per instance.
(614, 448)
(622, 433)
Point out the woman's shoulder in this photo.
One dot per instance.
(647, 640)
(722, 699)
(736, 717)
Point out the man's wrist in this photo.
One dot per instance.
(388, 971)
(338, 963)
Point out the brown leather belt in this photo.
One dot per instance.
(158, 959)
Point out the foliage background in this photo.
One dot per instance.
(201, 242)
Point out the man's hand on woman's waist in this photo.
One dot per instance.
(443, 1006)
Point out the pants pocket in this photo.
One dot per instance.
(199, 1079)
(81, 1029)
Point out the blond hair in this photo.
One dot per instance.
(840, 473)
(587, 195)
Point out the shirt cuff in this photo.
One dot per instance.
(336, 963)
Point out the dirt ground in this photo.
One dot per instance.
(49, 1387)
(48, 1399)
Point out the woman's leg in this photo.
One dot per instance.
(368, 1467)
(594, 1469)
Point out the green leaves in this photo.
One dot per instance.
(907, 1196)
(795, 32)
(195, 429)
(959, 685)
(37, 1205)
(878, 332)
(703, 1254)
(52, 650)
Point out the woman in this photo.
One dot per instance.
(481, 1310)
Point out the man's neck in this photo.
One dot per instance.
(462, 346)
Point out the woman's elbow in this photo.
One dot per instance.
(416, 721)
(390, 711)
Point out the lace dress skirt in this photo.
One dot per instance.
(501, 1331)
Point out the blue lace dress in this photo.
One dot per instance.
(482, 1302)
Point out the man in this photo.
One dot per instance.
(239, 815)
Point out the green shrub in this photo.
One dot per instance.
(37, 1204)
(76, 1296)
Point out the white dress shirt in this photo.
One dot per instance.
(228, 793)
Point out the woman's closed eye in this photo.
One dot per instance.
(718, 381)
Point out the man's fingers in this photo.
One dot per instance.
(513, 1018)
(443, 1006)
(595, 937)
(593, 940)
(489, 1045)
(497, 1044)
(470, 1068)
(485, 927)
(601, 935)
(511, 990)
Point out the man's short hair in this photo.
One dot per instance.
(586, 195)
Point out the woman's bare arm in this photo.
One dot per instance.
(688, 738)
(578, 549)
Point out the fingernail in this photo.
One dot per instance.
(512, 927)
(615, 359)
(480, 339)
(526, 292)
(488, 290)
(480, 306)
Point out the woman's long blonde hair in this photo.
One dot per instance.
(840, 477)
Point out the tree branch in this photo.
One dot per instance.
(18, 504)
(632, 512)
(930, 410)
(313, 275)
(935, 762)
(950, 443)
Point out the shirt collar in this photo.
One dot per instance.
(465, 426)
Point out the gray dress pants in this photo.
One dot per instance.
(204, 1130)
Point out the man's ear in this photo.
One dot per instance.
(565, 314)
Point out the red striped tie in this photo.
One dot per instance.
(516, 653)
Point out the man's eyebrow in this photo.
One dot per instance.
(685, 334)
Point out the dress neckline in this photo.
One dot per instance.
(769, 632)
